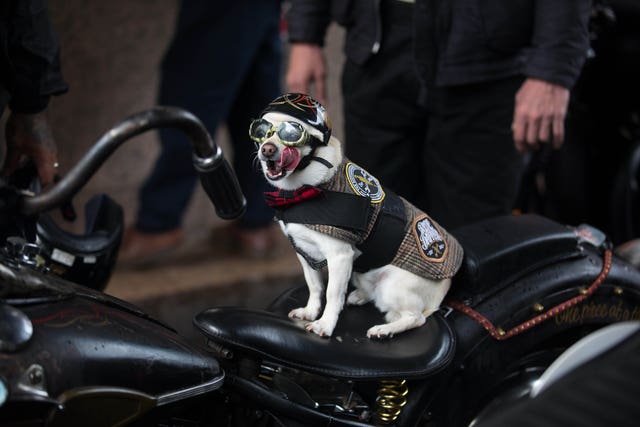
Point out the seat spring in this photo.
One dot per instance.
(392, 397)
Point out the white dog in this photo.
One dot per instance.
(338, 215)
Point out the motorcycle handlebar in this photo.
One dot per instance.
(217, 177)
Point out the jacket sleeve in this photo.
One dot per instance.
(560, 41)
(307, 20)
(33, 69)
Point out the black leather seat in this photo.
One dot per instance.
(499, 250)
(347, 354)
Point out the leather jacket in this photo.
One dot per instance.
(469, 41)
(308, 20)
(29, 56)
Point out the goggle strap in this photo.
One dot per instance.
(321, 160)
(306, 160)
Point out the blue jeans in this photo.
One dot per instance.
(223, 65)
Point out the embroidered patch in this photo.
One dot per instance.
(363, 183)
(432, 246)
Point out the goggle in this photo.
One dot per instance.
(289, 133)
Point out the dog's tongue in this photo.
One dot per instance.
(289, 159)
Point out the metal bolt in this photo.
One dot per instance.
(35, 376)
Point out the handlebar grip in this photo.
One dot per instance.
(221, 185)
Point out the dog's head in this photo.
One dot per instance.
(295, 146)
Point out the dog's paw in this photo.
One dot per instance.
(319, 328)
(380, 332)
(303, 313)
(357, 297)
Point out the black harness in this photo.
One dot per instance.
(353, 213)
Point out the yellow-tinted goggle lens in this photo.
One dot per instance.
(260, 130)
(289, 133)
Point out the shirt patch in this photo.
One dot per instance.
(432, 245)
(363, 183)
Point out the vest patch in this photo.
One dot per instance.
(363, 183)
(431, 243)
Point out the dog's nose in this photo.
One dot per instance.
(268, 149)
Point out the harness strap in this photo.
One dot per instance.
(330, 208)
(385, 238)
(325, 162)
(353, 212)
(499, 334)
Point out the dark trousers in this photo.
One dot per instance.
(223, 64)
(472, 170)
(385, 127)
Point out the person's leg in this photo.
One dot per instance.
(472, 167)
(201, 72)
(192, 77)
(255, 233)
(260, 86)
(385, 127)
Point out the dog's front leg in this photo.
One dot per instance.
(316, 286)
(339, 265)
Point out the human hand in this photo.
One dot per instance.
(540, 111)
(29, 135)
(307, 66)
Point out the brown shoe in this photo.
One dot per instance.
(141, 248)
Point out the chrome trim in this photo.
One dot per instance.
(32, 381)
(584, 350)
(4, 391)
(209, 163)
(191, 391)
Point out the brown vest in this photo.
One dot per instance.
(425, 248)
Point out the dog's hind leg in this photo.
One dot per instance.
(407, 300)
(360, 295)
(399, 321)
(316, 286)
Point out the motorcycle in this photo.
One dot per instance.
(71, 355)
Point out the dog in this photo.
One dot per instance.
(338, 216)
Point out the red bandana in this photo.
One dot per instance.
(284, 198)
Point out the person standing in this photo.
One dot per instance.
(498, 76)
(384, 124)
(222, 65)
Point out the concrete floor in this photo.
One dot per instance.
(206, 272)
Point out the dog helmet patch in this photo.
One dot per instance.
(432, 245)
(363, 183)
